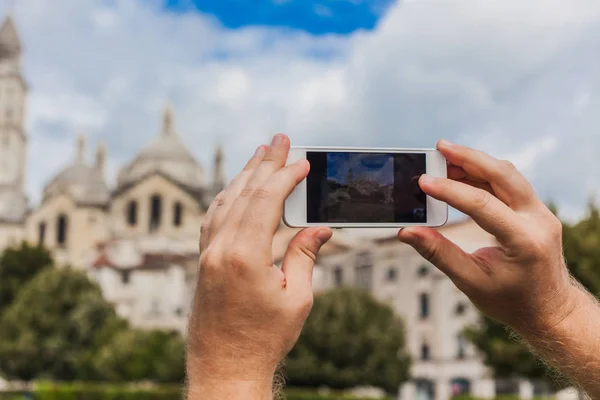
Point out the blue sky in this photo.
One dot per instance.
(314, 16)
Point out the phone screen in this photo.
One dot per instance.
(355, 187)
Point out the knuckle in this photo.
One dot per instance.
(262, 193)
(481, 199)
(303, 251)
(431, 251)
(507, 166)
(220, 198)
(204, 229)
(556, 226)
(238, 259)
(247, 192)
(306, 304)
(210, 259)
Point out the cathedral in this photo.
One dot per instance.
(163, 191)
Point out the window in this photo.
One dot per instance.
(363, 275)
(460, 386)
(177, 214)
(460, 309)
(392, 274)
(41, 233)
(424, 305)
(425, 352)
(61, 230)
(132, 213)
(125, 277)
(155, 309)
(461, 346)
(8, 113)
(338, 276)
(155, 212)
(423, 271)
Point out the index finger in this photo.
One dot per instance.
(486, 210)
(263, 214)
(508, 183)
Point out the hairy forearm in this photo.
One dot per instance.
(573, 345)
(231, 377)
(218, 389)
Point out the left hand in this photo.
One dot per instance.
(248, 313)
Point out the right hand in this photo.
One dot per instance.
(524, 281)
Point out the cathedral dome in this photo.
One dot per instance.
(84, 183)
(166, 154)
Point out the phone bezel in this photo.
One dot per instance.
(295, 208)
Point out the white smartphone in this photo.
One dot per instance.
(365, 188)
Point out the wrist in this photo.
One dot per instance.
(205, 388)
(233, 378)
(557, 313)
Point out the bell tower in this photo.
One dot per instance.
(13, 93)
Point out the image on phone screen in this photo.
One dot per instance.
(355, 187)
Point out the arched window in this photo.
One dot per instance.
(61, 230)
(132, 213)
(338, 275)
(178, 214)
(461, 346)
(424, 305)
(423, 270)
(425, 352)
(155, 212)
(392, 274)
(41, 233)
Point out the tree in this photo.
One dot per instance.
(135, 355)
(510, 358)
(17, 267)
(53, 327)
(349, 340)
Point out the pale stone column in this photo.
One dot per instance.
(484, 389)
(407, 391)
(443, 389)
(525, 390)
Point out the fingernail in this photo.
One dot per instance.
(302, 161)
(260, 151)
(278, 139)
(323, 235)
(445, 143)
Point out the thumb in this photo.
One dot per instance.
(441, 252)
(301, 255)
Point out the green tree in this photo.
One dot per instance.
(54, 326)
(507, 356)
(136, 355)
(349, 339)
(17, 267)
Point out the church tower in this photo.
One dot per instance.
(13, 91)
(13, 142)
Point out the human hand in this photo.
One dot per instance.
(248, 313)
(524, 282)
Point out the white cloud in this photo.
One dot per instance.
(517, 79)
